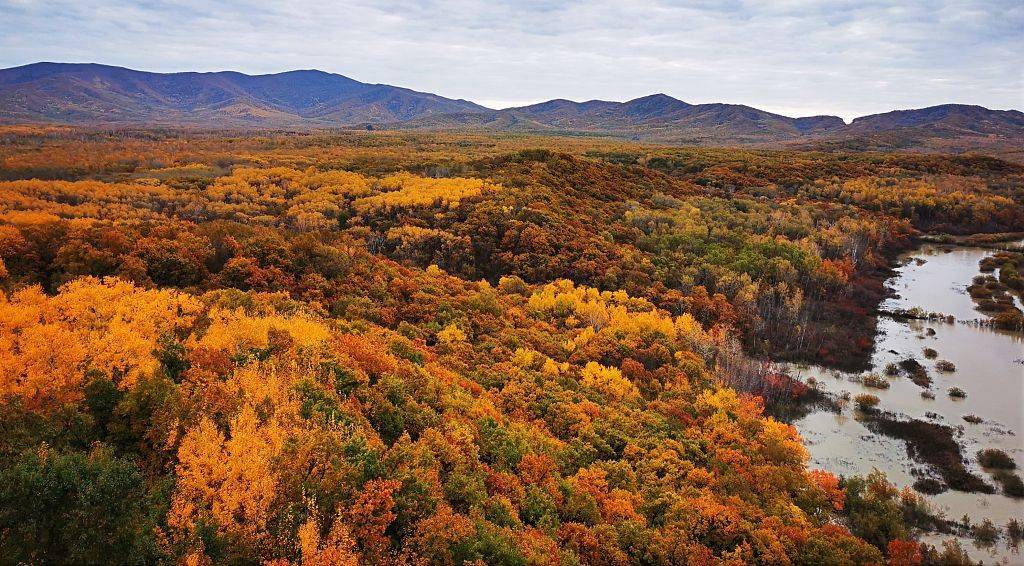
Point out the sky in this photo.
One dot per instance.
(794, 57)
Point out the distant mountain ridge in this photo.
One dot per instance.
(654, 117)
(959, 118)
(93, 94)
(99, 94)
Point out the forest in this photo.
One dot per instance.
(423, 348)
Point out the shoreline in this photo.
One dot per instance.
(911, 420)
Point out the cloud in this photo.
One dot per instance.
(800, 57)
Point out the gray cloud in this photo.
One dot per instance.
(791, 56)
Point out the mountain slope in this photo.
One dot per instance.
(89, 93)
(948, 128)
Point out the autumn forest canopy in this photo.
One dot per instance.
(397, 347)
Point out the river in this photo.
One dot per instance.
(990, 368)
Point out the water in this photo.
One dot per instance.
(990, 368)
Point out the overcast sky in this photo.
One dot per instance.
(794, 57)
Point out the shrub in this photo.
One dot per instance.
(945, 365)
(1009, 320)
(930, 353)
(910, 364)
(973, 419)
(1013, 486)
(985, 532)
(1014, 530)
(929, 486)
(952, 553)
(874, 509)
(876, 381)
(996, 459)
(892, 369)
(957, 393)
(866, 402)
(918, 373)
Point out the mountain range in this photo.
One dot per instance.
(92, 94)
(100, 94)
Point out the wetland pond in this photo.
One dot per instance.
(989, 368)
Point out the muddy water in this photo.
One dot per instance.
(990, 368)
